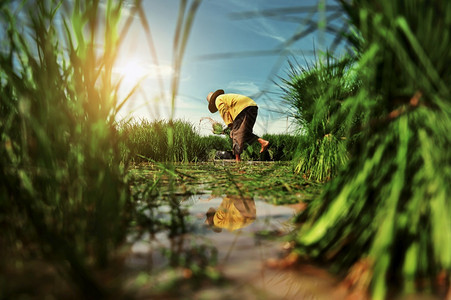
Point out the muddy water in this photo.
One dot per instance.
(243, 256)
(234, 233)
(236, 242)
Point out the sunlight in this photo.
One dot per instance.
(133, 71)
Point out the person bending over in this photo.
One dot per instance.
(239, 114)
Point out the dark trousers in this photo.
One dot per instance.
(242, 129)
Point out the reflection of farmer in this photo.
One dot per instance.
(239, 113)
(235, 212)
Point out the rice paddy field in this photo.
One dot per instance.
(353, 205)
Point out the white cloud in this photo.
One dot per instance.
(247, 88)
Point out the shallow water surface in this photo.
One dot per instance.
(241, 235)
(229, 247)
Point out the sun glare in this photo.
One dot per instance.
(133, 71)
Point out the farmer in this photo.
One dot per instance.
(235, 212)
(239, 113)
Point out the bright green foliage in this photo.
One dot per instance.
(213, 143)
(63, 196)
(391, 204)
(315, 94)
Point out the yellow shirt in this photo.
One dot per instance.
(230, 105)
(234, 213)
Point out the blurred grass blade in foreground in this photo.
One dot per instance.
(62, 184)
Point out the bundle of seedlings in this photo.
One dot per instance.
(315, 93)
(217, 128)
(386, 218)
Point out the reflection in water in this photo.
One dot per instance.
(238, 257)
(233, 213)
(165, 263)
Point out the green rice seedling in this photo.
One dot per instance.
(251, 153)
(321, 159)
(216, 143)
(389, 208)
(315, 94)
(189, 146)
(217, 128)
(211, 144)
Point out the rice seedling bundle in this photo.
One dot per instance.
(217, 128)
(390, 209)
(321, 160)
(315, 94)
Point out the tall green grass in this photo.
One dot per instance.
(389, 209)
(63, 195)
(146, 140)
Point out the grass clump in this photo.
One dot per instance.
(315, 93)
(217, 127)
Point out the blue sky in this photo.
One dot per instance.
(226, 49)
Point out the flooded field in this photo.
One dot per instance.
(243, 254)
(233, 245)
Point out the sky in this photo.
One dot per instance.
(235, 45)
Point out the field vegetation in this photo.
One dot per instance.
(143, 141)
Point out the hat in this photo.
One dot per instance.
(211, 98)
